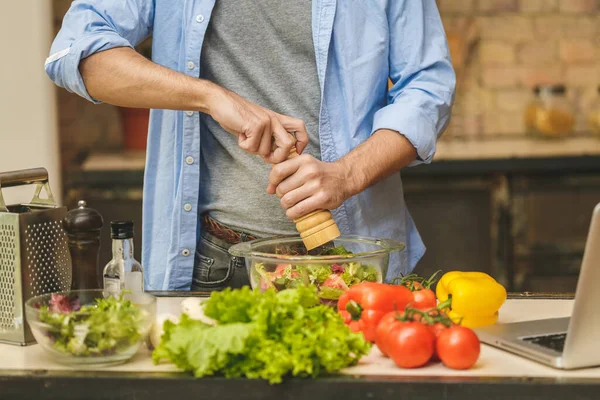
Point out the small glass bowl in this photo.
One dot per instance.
(75, 333)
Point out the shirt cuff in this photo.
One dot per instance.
(413, 124)
(82, 48)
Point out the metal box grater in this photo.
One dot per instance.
(34, 255)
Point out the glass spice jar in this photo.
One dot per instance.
(594, 116)
(531, 111)
(550, 114)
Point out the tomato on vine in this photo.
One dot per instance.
(424, 297)
(410, 344)
(458, 347)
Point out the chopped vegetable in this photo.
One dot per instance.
(356, 273)
(330, 293)
(107, 327)
(337, 251)
(364, 304)
(262, 335)
(335, 275)
(474, 298)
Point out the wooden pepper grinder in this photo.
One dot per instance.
(83, 226)
(317, 227)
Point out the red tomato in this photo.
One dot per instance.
(385, 325)
(278, 273)
(437, 330)
(458, 347)
(410, 345)
(424, 299)
(265, 284)
(280, 270)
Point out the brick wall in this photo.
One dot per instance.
(501, 48)
(514, 45)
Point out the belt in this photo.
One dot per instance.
(222, 232)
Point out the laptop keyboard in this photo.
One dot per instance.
(554, 342)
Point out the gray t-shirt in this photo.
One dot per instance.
(263, 51)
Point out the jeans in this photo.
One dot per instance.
(215, 268)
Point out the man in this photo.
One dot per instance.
(229, 77)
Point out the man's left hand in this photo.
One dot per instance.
(305, 184)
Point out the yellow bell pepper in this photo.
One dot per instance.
(475, 297)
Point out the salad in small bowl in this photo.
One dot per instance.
(283, 262)
(91, 327)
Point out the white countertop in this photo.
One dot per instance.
(492, 362)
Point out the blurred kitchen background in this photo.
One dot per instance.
(511, 189)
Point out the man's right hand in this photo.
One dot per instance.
(256, 126)
(122, 77)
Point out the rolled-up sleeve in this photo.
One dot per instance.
(420, 100)
(91, 26)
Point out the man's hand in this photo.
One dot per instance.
(256, 127)
(305, 184)
(122, 77)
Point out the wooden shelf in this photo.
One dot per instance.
(511, 147)
(124, 161)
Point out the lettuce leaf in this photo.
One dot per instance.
(176, 340)
(355, 273)
(337, 251)
(329, 293)
(317, 273)
(266, 335)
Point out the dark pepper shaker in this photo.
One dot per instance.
(83, 226)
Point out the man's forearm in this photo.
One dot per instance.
(383, 154)
(123, 77)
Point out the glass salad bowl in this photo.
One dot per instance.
(283, 262)
(91, 328)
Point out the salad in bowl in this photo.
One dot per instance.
(284, 263)
(91, 327)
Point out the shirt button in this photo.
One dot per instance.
(189, 113)
(187, 207)
(199, 18)
(185, 252)
(189, 160)
(191, 65)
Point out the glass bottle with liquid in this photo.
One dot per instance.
(123, 272)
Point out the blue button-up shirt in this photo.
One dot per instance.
(358, 45)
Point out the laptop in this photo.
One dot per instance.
(565, 343)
